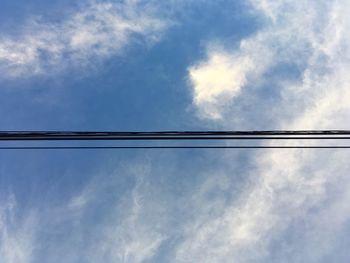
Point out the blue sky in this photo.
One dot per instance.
(174, 65)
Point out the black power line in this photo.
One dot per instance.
(175, 135)
(170, 147)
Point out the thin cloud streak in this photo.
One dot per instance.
(99, 30)
(17, 236)
(114, 217)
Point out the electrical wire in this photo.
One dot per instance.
(170, 147)
(175, 135)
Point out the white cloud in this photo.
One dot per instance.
(219, 79)
(289, 186)
(292, 34)
(133, 238)
(300, 192)
(98, 30)
(17, 237)
(116, 215)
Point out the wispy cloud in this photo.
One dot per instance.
(300, 35)
(134, 238)
(290, 204)
(17, 233)
(289, 187)
(99, 30)
(113, 218)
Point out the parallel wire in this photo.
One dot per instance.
(174, 136)
(169, 147)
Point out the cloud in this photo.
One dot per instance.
(99, 30)
(17, 236)
(133, 239)
(115, 217)
(217, 81)
(263, 206)
(295, 35)
(136, 241)
(288, 188)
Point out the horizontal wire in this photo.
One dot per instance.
(170, 147)
(176, 135)
(20, 136)
(112, 138)
(182, 133)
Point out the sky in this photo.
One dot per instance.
(134, 65)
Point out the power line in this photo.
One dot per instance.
(171, 147)
(175, 135)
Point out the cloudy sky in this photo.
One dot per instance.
(134, 65)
